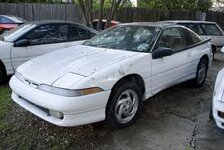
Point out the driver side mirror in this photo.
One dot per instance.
(161, 52)
(22, 43)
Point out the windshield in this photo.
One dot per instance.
(126, 37)
(13, 34)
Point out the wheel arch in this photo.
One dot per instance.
(206, 58)
(132, 78)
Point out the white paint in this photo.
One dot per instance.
(218, 99)
(80, 67)
(12, 56)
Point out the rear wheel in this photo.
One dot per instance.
(124, 105)
(201, 73)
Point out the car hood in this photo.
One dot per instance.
(79, 60)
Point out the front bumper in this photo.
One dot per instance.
(218, 107)
(76, 110)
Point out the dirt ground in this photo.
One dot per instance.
(175, 119)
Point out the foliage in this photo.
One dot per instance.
(31, 1)
(202, 5)
(5, 100)
(112, 7)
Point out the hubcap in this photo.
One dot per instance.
(126, 106)
(201, 73)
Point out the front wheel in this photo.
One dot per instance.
(124, 105)
(201, 73)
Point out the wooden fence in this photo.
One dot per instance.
(35, 11)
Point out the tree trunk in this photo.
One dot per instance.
(99, 24)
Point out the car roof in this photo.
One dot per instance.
(14, 18)
(152, 24)
(187, 21)
(41, 22)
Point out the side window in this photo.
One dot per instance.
(211, 29)
(5, 20)
(84, 33)
(172, 38)
(194, 27)
(192, 37)
(73, 33)
(45, 34)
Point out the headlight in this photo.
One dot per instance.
(69, 92)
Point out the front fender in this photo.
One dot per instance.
(108, 77)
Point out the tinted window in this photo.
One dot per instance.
(194, 27)
(84, 33)
(74, 34)
(173, 38)
(5, 20)
(211, 29)
(50, 33)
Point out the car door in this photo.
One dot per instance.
(47, 38)
(170, 70)
(78, 34)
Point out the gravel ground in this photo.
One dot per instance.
(175, 119)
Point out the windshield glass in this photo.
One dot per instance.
(126, 37)
(13, 34)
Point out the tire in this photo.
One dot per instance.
(201, 74)
(2, 75)
(121, 110)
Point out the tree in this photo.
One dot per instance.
(87, 7)
(202, 5)
(109, 6)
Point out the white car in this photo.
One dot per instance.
(109, 76)
(37, 38)
(217, 107)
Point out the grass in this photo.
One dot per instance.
(20, 129)
(5, 100)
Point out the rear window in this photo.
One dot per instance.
(211, 29)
